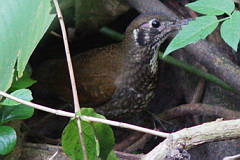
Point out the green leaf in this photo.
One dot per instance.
(194, 31)
(9, 113)
(94, 135)
(230, 30)
(212, 7)
(101, 131)
(23, 82)
(23, 24)
(24, 94)
(71, 141)
(112, 156)
(8, 138)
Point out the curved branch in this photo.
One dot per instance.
(199, 109)
(190, 137)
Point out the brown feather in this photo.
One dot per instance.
(96, 74)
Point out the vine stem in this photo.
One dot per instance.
(72, 77)
(224, 19)
(88, 118)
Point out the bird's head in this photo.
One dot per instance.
(152, 28)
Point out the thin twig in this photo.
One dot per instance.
(198, 91)
(199, 109)
(37, 106)
(123, 155)
(125, 125)
(54, 155)
(56, 34)
(229, 130)
(93, 119)
(235, 157)
(72, 77)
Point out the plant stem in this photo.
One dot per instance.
(72, 77)
(224, 19)
(88, 118)
(195, 71)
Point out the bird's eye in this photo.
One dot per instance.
(155, 23)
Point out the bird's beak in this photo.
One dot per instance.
(180, 22)
(184, 21)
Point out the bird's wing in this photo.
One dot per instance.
(96, 74)
(96, 89)
(95, 77)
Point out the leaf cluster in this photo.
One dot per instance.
(11, 110)
(202, 26)
(23, 24)
(98, 138)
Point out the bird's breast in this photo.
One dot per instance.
(135, 88)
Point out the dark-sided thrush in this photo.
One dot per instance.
(117, 80)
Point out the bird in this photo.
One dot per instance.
(117, 80)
